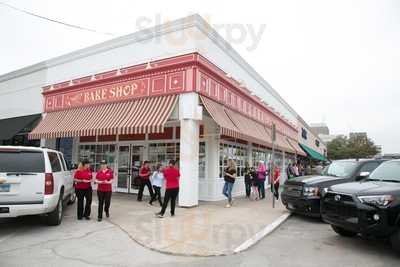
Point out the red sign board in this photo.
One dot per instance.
(119, 91)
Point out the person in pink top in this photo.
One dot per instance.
(171, 176)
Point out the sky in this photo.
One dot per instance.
(336, 62)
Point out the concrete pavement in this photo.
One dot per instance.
(207, 230)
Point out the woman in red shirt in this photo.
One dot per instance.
(275, 181)
(104, 179)
(83, 189)
(171, 176)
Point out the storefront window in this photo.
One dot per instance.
(236, 152)
(259, 154)
(202, 160)
(163, 153)
(95, 153)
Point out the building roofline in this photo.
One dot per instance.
(194, 20)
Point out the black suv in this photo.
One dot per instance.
(302, 194)
(370, 207)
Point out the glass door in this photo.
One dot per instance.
(124, 159)
(129, 161)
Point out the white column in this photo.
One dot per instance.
(189, 115)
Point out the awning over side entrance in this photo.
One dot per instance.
(312, 153)
(218, 114)
(12, 126)
(236, 125)
(296, 147)
(147, 115)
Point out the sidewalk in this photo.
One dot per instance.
(207, 230)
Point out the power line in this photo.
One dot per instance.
(54, 20)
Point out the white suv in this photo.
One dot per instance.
(34, 181)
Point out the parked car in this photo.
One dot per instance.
(302, 194)
(370, 207)
(34, 181)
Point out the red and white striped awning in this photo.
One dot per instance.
(217, 112)
(253, 130)
(147, 115)
(295, 145)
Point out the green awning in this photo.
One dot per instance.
(312, 153)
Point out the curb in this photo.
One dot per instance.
(264, 232)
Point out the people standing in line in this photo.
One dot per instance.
(157, 180)
(171, 176)
(254, 184)
(83, 189)
(261, 176)
(144, 174)
(229, 177)
(247, 179)
(104, 178)
(296, 170)
(275, 181)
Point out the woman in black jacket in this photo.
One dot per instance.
(247, 179)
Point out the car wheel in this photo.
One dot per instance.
(55, 217)
(343, 232)
(395, 241)
(72, 198)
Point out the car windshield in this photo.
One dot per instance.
(343, 169)
(388, 171)
(21, 161)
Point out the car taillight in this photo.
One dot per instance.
(48, 184)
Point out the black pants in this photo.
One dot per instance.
(276, 190)
(83, 194)
(247, 184)
(261, 188)
(170, 194)
(143, 183)
(157, 195)
(104, 202)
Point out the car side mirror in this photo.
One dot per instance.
(363, 175)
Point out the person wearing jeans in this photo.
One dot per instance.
(229, 177)
(157, 180)
(83, 189)
(104, 179)
(262, 174)
(171, 176)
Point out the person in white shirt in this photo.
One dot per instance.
(157, 180)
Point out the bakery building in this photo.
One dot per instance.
(141, 97)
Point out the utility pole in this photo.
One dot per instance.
(271, 171)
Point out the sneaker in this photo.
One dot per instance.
(80, 218)
(150, 204)
(99, 219)
(172, 215)
(228, 206)
(159, 215)
(87, 218)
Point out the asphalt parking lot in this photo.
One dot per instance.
(298, 242)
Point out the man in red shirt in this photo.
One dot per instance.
(144, 174)
(104, 179)
(171, 176)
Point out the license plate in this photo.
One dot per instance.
(4, 188)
